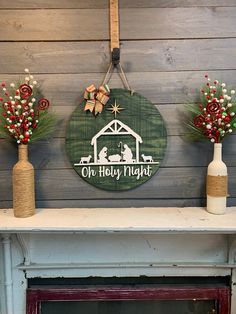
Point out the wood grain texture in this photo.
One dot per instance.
(148, 202)
(158, 87)
(22, 4)
(170, 112)
(161, 23)
(168, 183)
(66, 184)
(179, 153)
(166, 48)
(136, 56)
(111, 203)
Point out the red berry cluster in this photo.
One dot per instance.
(216, 117)
(21, 109)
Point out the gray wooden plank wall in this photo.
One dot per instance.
(166, 48)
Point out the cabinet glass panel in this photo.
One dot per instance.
(130, 307)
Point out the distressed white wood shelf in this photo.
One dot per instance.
(125, 220)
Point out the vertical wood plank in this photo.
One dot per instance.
(165, 59)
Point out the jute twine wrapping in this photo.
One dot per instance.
(23, 185)
(217, 185)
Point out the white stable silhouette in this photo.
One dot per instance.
(116, 127)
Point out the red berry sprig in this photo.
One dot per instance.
(216, 114)
(21, 109)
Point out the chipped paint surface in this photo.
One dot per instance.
(117, 242)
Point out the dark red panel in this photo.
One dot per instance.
(35, 296)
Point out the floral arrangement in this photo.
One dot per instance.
(24, 115)
(214, 117)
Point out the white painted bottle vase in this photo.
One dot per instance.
(217, 183)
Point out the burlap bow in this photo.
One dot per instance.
(96, 99)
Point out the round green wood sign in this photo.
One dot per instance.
(122, 147)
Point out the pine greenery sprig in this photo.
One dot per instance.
(213, 117)
(24, 114)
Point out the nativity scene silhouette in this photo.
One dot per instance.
(126, 155)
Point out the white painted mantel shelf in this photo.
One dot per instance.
(127, 220)
(114, 242)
